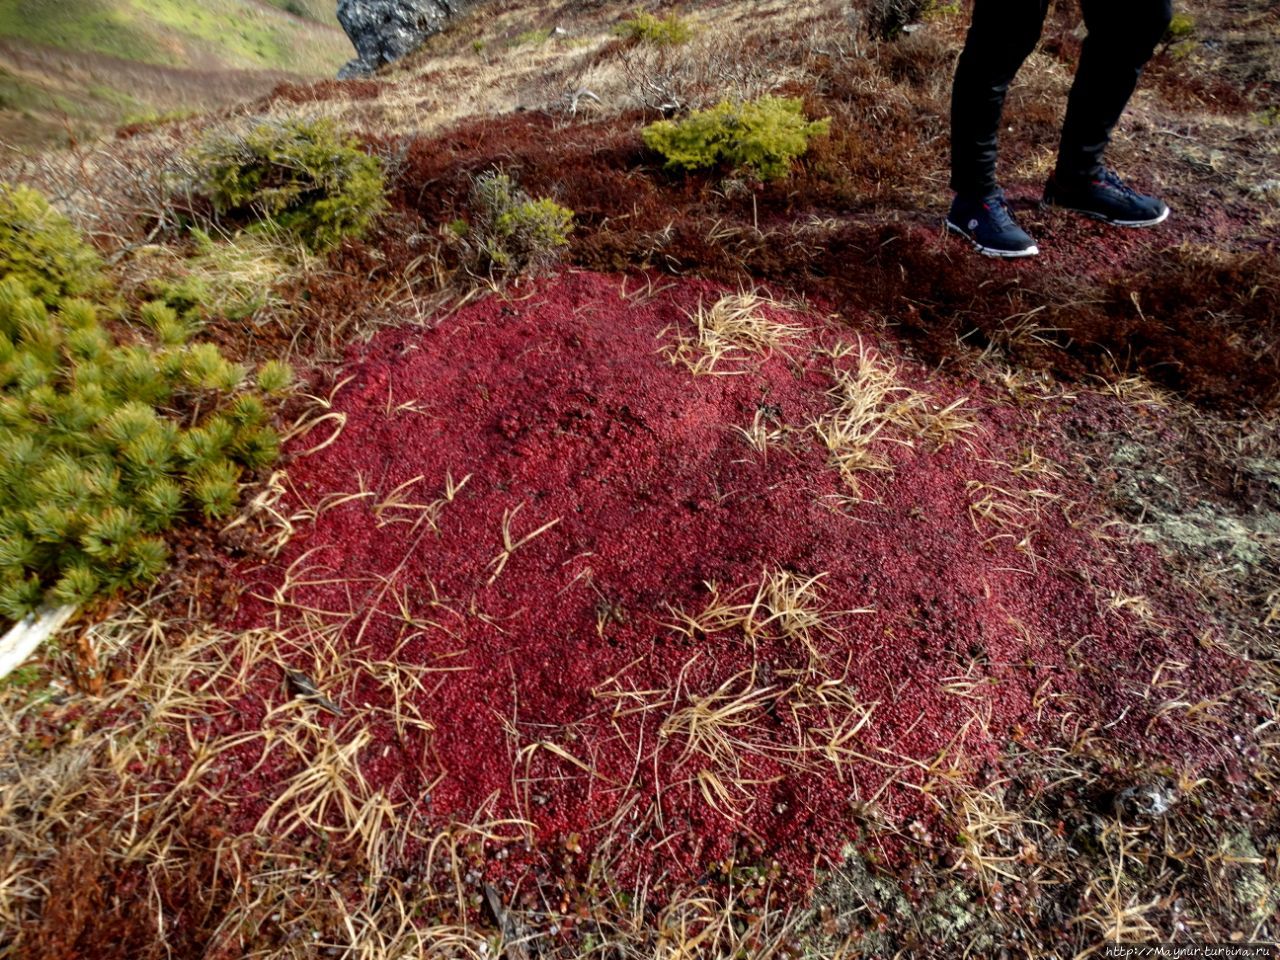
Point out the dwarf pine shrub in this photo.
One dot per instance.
(761, 137)
(302, 175)
(511, 232)
(97, 459)
(40, 247)
(645, 28)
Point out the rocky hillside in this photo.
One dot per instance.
(70, 68)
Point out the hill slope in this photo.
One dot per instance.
(774, 578)
(78, 65)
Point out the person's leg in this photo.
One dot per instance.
(1001, 35)
(1122, 36)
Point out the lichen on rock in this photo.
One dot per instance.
(383, 31)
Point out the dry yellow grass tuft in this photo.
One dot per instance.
(721, 733)
(872, 407)
(727, 333)
(783, 605)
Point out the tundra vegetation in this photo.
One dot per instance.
(569, 499)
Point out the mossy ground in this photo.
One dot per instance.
(1156, 353)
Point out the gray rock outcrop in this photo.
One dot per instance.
(386, 30)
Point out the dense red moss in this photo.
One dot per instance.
(558, 404)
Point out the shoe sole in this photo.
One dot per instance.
(1031, 251)
(1103, 218)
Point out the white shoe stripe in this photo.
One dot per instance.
(1030, 251)
(1103, 218)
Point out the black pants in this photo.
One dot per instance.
(1122, 36)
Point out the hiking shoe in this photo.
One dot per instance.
(990, 227)
(1107, 198)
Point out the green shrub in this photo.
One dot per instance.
(275, 378)
(1178, 36)
(511, 232)
(659, 32)
(304, 176)
(96, 458)
(1181, 27)
(41, 248)
(761, 137)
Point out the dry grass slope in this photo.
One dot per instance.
(74, 69)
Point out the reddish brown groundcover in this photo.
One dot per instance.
(559, 669)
